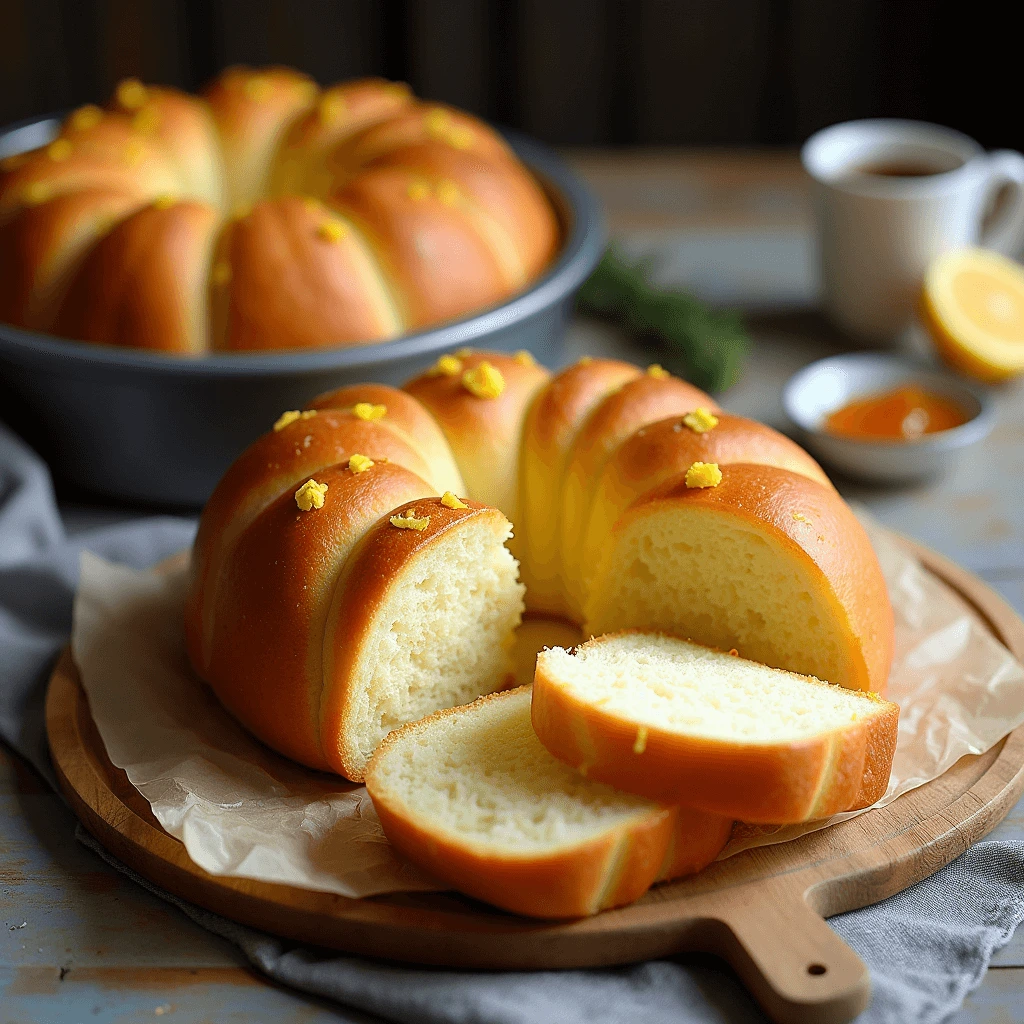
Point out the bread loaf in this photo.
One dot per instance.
(324, 628)
(273, 215)
(472, 797)
(674, 721)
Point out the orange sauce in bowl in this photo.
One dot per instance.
(904, 414)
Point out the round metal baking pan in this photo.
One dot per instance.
(153, 428)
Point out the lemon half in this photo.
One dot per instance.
(973, 307)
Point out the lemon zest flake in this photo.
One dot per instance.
(86, 117)
(484, 381)
(289, 417)
(701, 420)
(332, 231)
(359, 463)
(525, 358)
(703, 474)
(409, 521)
(369, 412)
(59, 150)
(640, 743)
(450, 501)
(132, 94)
(310, 495)
(446, 366)
(657, 371)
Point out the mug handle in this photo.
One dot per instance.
(1006, 232)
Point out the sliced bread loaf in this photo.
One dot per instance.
(677, 722)
(470, 795)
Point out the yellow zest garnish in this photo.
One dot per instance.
(310, 495)
(657, 371)
(37, 192)
(418, 190)
(459, 136)
(640, 743)
(332, 231)
(484, 381)
(800, 517)
(368, 411)
(585, 360)
(133, 152)
(146, 120)
(258, 88)
(701, 420)
(410, 522)
(164, 202)
(291, 416)
(86, 117)
(331, 107)
(437, 121)
(463, 353)
(446, 366)
(59, 151)
(131, 94)
(221, 274)
(448, 193)
(525, 358)
(359, 463)
(703, 474)
(450, 501)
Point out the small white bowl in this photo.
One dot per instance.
(829, 384)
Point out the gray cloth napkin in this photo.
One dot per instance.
(926, 948)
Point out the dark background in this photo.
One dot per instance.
(593, 72)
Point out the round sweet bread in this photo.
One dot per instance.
(354, 569)
(266, 214)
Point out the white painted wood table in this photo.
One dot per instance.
(80, 943)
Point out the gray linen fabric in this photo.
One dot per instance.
(926, 948)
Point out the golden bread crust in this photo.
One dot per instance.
(610, 870)
(772, 783)
(278, 581)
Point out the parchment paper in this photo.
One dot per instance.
(242, 810)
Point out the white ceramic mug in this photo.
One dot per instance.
(878, 228)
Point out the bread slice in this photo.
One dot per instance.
(470, 795)
(677, 722)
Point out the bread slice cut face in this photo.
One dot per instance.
(421, 620)
(674, 721)
(471, 795)
(767, 561)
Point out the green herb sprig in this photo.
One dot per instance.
(704, 345)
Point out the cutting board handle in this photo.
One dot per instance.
(792, 962)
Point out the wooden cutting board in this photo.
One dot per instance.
(761, 910)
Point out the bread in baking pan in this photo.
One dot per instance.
(472, 797)
(672, 720)
(274, 215)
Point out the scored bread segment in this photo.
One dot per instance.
(767, 561)
(471, 796)
(423, 617)
(674, 721)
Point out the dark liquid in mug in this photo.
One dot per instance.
(896, 169)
